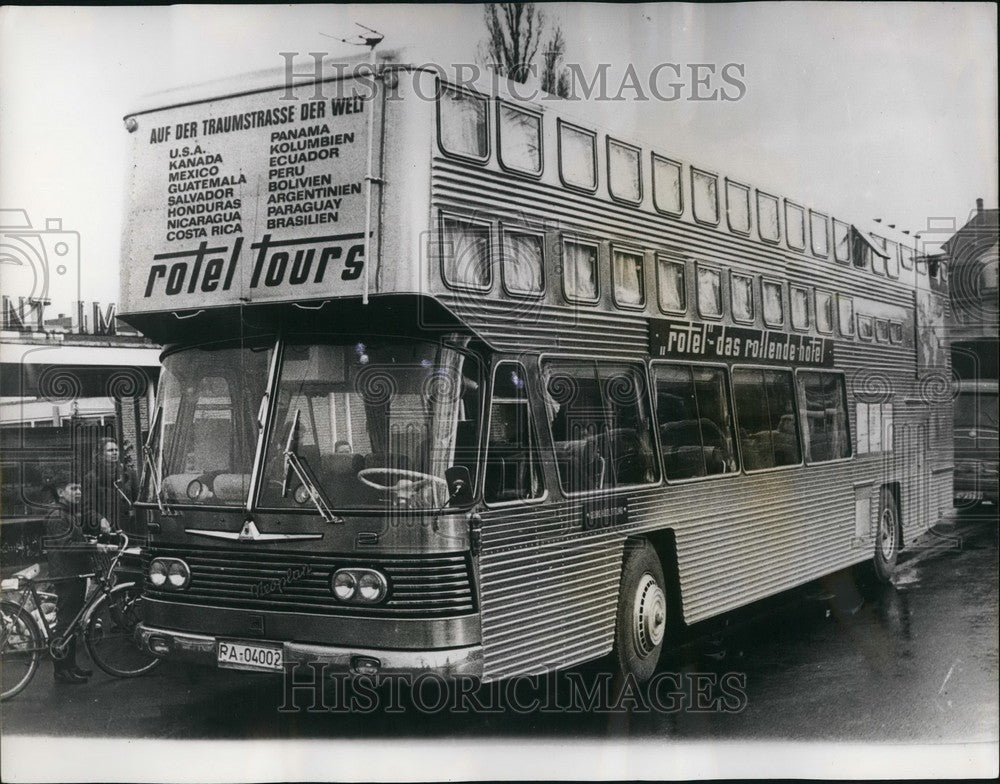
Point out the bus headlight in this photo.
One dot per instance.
(344, 585)
(157, 573)
(178, 575)
(170, 573)
(359, 586)
(371, 587)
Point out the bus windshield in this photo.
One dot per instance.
(976, 411)
(209, 403)
(366, 424)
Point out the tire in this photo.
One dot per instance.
(110, 633)
(642, 613)
(21, 648)
(878, 571)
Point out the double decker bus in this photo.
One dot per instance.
(456, 382)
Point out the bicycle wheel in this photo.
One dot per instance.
(110, 633)
(20, 648)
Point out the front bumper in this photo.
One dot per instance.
(201, 649)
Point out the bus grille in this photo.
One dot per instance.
(424, 586)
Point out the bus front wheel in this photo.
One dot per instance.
(642, 612)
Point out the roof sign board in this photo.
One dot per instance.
(251, 198)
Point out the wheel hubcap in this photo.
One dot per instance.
(887, 534)
(649, 615)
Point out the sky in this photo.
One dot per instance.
(865, 110)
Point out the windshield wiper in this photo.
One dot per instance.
(149, 463)
(298, 465)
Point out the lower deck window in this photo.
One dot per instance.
(695, 422)
(823, 408)
(765, 411)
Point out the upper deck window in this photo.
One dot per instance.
(878, 259)
(520, 140)
(845, 315)
(824, 312)
(768, 222)
(741, 297)
(523, 261)
(668, 192)
(465, 253)
(819, 234)
(800, 307)
(795, 226)
(705, 192)
(624, 171)
(738, 207)
(709, 292)
(774, 306)
(670, 274)
(906, 256)
(627, 276)
(577, 157)
(892, 263)
(462, 124)
(580, 271)
(841, 241)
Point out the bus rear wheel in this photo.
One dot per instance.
(878, 570)
(642, 613)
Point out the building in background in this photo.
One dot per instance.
(64, 385)
(971, 257)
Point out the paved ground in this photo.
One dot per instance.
(917, 663)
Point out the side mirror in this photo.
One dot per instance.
(459, 485)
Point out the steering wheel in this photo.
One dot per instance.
(409, 485)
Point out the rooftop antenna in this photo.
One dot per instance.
(371, 39)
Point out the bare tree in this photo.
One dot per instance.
(514, 33)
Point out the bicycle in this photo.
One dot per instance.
(107, 622)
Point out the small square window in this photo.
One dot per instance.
(627, 276)
(881, 330)
(709, 292)
(818, 234)
(580, 271)
(577, 157)
(465, 253)
(705, 190)
(624, 172)
(866, 329)
(824, 312)
(738, 207)
(670, 274)
(774, 308)
(895, 332)
(845, 315)
(768, 223)
(523, 262)
(520, 140)
(668, 194)
(741, 297)
(800, 308)
(462, 122)
(795, 226)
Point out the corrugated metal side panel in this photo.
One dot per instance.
(550, 605)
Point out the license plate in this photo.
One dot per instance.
(249, 656)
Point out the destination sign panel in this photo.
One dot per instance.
(692, 340)
(252, 198)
